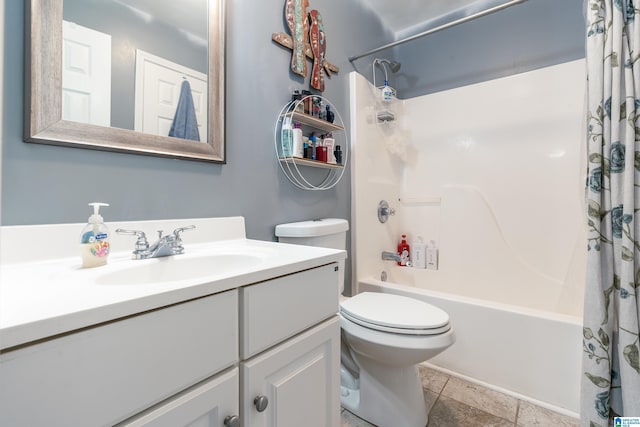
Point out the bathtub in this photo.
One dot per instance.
(530, 354)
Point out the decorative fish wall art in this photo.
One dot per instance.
(307, 40)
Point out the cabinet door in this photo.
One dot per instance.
(299, 378)
(204, 405)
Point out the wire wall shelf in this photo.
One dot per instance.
(305, 173)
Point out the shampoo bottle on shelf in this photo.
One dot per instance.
(330, 143)
(286, 140)
(404, 251)
(418, 253)
(298, 143)
(432, 256)
(94, 239)
(387, 92)
(312, 140)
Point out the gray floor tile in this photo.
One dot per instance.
(482, 398)
(530, 415)
(431, 379)
(350, 420)
(430, 399)
(451, 413)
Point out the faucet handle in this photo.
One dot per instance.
(142, 244)
(177, 231)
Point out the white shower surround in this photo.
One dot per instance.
(493, 172)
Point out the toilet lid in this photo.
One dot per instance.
(395, 313)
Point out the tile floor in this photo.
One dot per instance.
(454, 402)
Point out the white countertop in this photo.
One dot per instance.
(48, 297)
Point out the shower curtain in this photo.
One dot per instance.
(611, 369)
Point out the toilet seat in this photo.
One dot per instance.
(395, 314)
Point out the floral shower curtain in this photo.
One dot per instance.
(611, 369)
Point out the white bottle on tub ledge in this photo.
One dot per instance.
(432, 256)
(418, 254)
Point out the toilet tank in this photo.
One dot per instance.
(325, 233)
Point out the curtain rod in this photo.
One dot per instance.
(439, 28)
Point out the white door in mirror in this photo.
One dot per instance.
(158, 82)
(86, 75)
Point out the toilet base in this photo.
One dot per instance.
(387, 396)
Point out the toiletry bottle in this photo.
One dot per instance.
(321, 152)
(94, 239)
(338, 154)
(298, 143)
(286, 140)
(312, 140)
(418, 253)
(316, 107)
(306, 147)
(330, 115)
(387, 92)
(307, 100)
(297, 99)
(403, 251)
(432, 256)
(330, 143)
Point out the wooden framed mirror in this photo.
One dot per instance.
(44, 122)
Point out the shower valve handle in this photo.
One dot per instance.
(384, 211)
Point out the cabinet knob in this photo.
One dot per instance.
(232, 421)
(261, 403)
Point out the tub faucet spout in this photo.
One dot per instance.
(391, 256)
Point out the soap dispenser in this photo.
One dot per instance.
(94, 239)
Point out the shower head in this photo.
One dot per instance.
(394, 66)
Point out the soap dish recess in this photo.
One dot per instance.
(385, 116)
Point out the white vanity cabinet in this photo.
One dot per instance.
(289, 361)
(296, 381)
(265, 354)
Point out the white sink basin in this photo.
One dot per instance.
(178, 268)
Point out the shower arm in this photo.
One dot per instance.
(373, 70)
(439, 28)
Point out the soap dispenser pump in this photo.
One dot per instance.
(94, 239)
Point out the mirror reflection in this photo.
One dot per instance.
(137, 64)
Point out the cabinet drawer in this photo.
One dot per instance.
(206, 404)
(274, 310)
(108, 373)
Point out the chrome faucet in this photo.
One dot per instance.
(168, 245)
(391, 256)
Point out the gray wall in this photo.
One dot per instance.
(531, 35)
(130, 32)
(47, 184)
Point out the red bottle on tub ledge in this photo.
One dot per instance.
(403, 251)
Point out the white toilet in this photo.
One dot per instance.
(384, 337)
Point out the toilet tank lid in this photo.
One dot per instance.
(316, 227)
